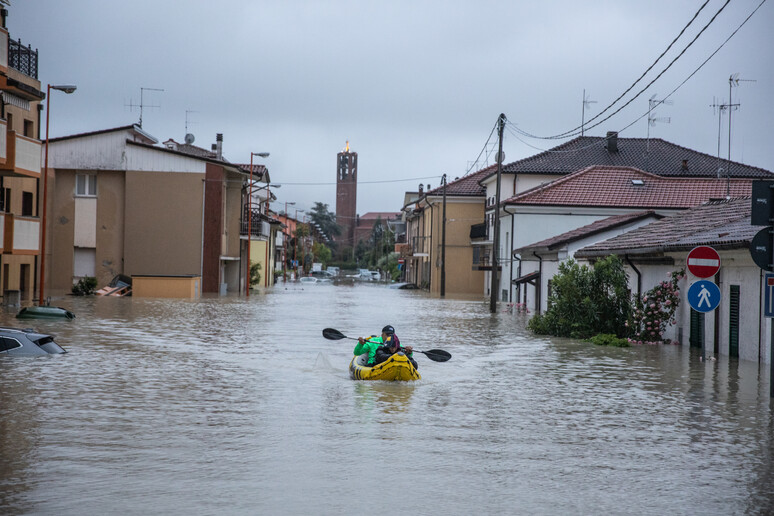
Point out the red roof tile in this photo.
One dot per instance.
(722, 224)
(615, 187)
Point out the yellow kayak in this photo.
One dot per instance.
(396, 368)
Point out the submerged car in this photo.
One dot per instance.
(27, 342)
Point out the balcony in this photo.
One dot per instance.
(419, 246)
(19, 235)
(22, 155)
(22, 58)
(259, 226)
(482, 259)
(479, 231)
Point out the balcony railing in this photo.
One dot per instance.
(22, 58)
(257, 223)
(482, 259)
(22, 156)
(19, 234)
(420, 245)
(479, 231)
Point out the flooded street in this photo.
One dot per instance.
(239, 406)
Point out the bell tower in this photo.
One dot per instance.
(346, 194)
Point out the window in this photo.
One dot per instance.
(7, 343)
(7, 202)
(697, 329)
(27, 204)
(86, 185)
(29, 129)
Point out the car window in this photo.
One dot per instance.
(7, 343)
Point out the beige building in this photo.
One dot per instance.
(20, 165)
(121, 205)
(424, 245)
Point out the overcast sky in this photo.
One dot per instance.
(415, 86)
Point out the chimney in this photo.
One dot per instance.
(421, 188)
(4, 16)
(219, 145)
(612, 141)
(684, 166)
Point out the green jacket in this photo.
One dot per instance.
(369, 346)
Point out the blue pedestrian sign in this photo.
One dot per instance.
(768, 295)
(704, 296)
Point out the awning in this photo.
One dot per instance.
(527, 278)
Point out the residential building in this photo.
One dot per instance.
(20, 166)
(365, 223)
(586, 197)
(120, 204)
(737, 327)
(424, 246)
(654, 156)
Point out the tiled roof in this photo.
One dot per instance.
(591, 229)
(258, 170)
(657, 156)
(722, 224)
(615, 187)
(465, 186)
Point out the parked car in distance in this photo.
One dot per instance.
(334, 271)
(27, 342)
(321, 275)
(376, 275)
(365, 274)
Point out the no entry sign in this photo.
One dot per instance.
(703, 262)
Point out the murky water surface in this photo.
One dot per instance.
(239, 406)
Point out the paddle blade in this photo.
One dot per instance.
(331, 334)
(436, 355)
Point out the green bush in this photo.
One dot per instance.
(586, 301)
(608, 339)
(255, 274)
(85, 286)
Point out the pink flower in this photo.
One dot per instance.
(668, 302)
(653, 305)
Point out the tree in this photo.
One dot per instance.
(584, 301)
(325, 219)
(321, 253)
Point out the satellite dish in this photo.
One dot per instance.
(189, 138)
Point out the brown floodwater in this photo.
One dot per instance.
(239, 406)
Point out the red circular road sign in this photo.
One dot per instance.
(703, 262)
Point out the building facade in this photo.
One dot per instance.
(20, 165)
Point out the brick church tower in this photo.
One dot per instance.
(346, 195)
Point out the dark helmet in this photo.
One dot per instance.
(389, 330)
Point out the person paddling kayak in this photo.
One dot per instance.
(379, 349)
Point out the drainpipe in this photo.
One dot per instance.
(639, 275)
(510, 254)
(539, 285)
(430, 245)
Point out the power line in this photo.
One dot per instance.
(574, 132)
(665, 97)
(362, 182)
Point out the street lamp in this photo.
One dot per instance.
(250, 217)
(67, 88)
(285, 246)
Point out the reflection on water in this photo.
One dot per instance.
(239, 406)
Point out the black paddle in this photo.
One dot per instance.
(436, 355)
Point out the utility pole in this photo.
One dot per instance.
(496, 237)
(443, 242)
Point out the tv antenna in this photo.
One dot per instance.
(586, 103)
(142, 105)
(733, 80)
(653, 103)
(189, 137)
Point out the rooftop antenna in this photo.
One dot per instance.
(189, 137)
(653, 103)
(719, 108)
(733, 80)
(142, 104)
(586, 103)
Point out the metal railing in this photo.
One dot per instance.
(479, 231)
(254, 219)
(22, 58)
(420, 245)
